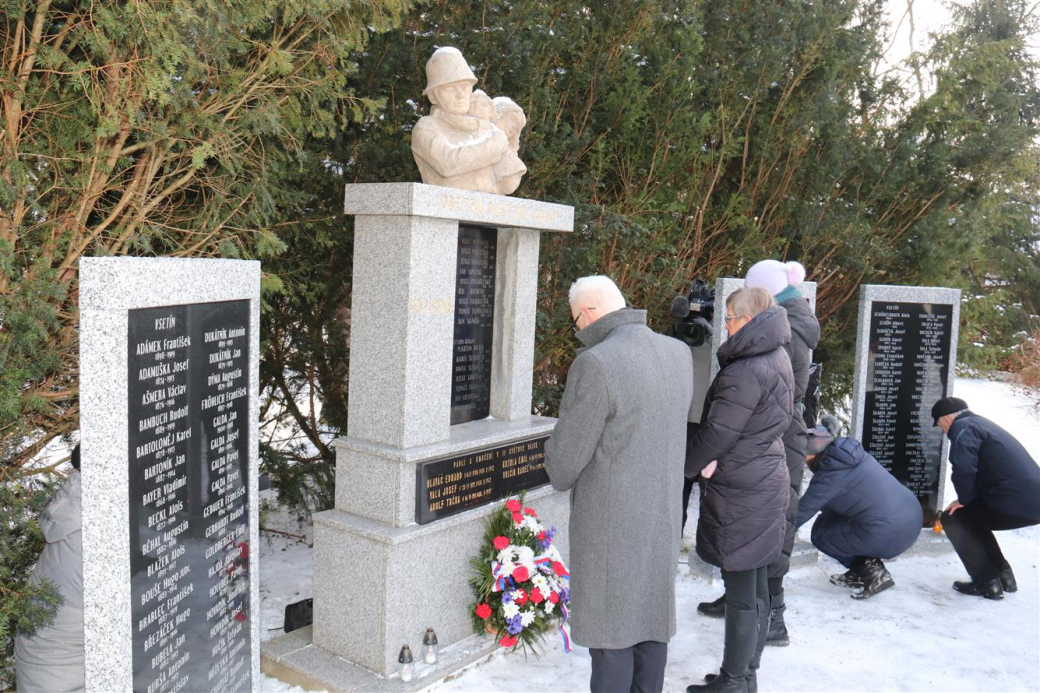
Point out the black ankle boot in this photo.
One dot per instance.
(876, 578)
(715, 609)
(720, 683)
(1007, 580)
(990, 589)
(777, 635)
(752, 680)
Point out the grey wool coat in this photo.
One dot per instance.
(749, 407)
(618, 447)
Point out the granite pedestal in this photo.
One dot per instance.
(380, 577)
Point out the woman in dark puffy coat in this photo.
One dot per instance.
(739, 449)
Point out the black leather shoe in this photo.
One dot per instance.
(715, 609)
(1007, 580)
(990, 589)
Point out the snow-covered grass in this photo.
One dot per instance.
(918, 636)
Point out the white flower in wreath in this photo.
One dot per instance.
(532, 525)
(548, 608)
(509, 610)
(527, 617)
(508, 567)
(524, 554)
(541, 583)
(506, 554)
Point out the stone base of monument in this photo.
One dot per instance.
(930, 543)
(294, 659)
(804, 554)
(378, 587)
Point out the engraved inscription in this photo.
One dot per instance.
(449, 486)
(906, 373)
(188, 409)
(474, 324)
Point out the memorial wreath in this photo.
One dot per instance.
(521, 584)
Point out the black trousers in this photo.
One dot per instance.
(970, 530)
(636, 669)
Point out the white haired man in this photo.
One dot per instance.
(619, 447)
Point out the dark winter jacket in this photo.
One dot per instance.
(990, 466)
(805, 335)
(749, 406)
(849, 481)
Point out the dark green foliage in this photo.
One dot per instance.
(696, 138)
(22, 606)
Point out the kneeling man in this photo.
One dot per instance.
(865, 513)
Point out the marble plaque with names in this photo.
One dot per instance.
(189, 508)
(907, 371)
(474, 324)
(449, 486)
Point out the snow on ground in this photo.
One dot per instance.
(918, 636)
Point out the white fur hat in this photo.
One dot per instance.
(775, 276)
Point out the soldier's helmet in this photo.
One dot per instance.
(445, 66)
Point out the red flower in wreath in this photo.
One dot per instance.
(521, 574)
(507, 641)
(521, 598)
(531, 512)
(501, 542)
(518, 518)
(536, 596)
(554, 597)
(483, 611)
(513, 505)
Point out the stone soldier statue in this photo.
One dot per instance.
(459, 145)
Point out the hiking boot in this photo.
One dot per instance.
(990, 589)
(876, 578)
(752, 681)
(850, 578)
(715, 609)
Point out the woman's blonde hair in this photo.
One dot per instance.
(749, 301)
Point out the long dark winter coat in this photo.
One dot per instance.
(991, 467)
(619, 446)
(865, 510)
(805, 336)
(749, 406)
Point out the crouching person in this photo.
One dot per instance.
(865, 513)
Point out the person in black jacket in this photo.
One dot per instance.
(865, 513)
(998, 488)
(739, 449)
(782, 279)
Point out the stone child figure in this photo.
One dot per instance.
(468, 141)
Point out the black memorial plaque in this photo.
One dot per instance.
(188, 410)
(474, 324)
(908, 366)
(449, 486)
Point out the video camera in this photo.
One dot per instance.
(693, 314)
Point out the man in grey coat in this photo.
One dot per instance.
(619, 446)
